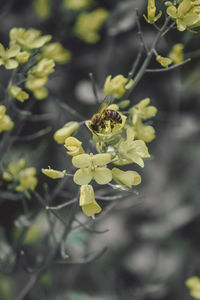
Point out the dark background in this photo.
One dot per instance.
(153, 242)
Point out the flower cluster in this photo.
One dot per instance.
(186, 14)
(175, 56)
(116, 86)
(5, 121)
(120, 140)
(21, 178)
(88, 24)
(30, 47)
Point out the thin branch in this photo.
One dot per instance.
(89, 229)
(141, 72)
(140, 33)
(83, 260)
(61, 205)
(169, 68)
(34, 136)
(94, 87)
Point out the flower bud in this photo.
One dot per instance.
(127, 178)
(73, 146)
(87, 201)
(116, 86)
(61, 134)
(54, 174)
(164, 61)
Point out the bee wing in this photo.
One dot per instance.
(104, 104)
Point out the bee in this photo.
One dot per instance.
(103, 114)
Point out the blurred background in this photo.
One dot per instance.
(145, 245)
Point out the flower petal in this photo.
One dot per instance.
(102, 175)
(81, 160)
(83, 176)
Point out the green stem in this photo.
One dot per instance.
(147, 59)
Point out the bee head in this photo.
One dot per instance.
(94, 127)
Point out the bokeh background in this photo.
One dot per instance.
(148, 242)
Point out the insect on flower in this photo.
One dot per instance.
(100, 120)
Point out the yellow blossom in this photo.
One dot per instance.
(142, 110)
(28, 39)
(24, 178)
(67, 130)
(87, 25)
(176, 53)
(77, 4)
(17, 93)
(145, 133)
(92, 167)
(130, 150)
(5, 121)
(23, 57)
(35, 85)
(151, 12)
(73, 146)
(27, 180)
(87, 201)
(193, 283)
(116, 86)
(13, 169)
(164, 61)
(43, 68)
(7, 56)
(54, 174)
(186, 15)
(128, 178)
(56, 52)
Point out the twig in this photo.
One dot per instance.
(140, 33)
(94, 87)
(169, 68)
(147, 60)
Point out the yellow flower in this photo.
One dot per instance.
(92, 167)
(116, 86)
(144, 132)
(87, 25)
(42, 8)
(35, 85)
(164, 61)
(151, 12)
(68, 129)
(142, 110)
(54, 174)
(27, 180)
(130, 150)
(5, 121)
(56, 52)
(17, 93)
(128, 178)
(43, 68)
(13, 169)
(193, 283)
(186, 15)
(87, 201)
(23, 57)
(7, 57)
(77, 4)
(73, 146)
(176, 54)
(28, 39)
